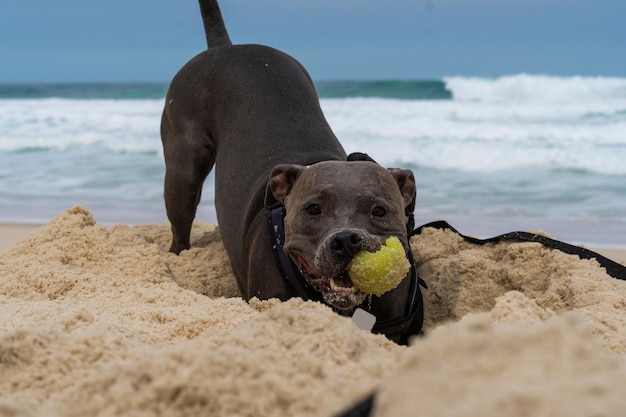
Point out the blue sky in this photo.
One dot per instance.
(149, 40)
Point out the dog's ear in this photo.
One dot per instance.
(406, 182)
(281, 181)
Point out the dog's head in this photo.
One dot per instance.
(336, 209)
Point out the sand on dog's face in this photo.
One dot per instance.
(103, 321)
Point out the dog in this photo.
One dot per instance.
(253, 112)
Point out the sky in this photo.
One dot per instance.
(56, 41)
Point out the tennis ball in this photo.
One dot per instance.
(382, 271)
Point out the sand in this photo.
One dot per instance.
(11, 233)
(103, 321)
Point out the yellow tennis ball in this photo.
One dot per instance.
(382, 271)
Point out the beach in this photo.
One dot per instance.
(97, 318)
(102, 320)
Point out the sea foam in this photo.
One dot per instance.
(59, 123)
(542, 88)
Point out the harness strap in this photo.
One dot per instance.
(275, 216)
(410, 324)
(613, 268)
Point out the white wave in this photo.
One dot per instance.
(485, 157)
(121, 125)
(524, 87)
(484, 136)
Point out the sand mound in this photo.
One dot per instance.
(103, 321)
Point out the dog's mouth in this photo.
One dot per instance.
(339, 292)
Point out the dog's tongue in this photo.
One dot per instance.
(306, 266)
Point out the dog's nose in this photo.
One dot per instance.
(346, 243)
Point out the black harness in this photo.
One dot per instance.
(397, 328)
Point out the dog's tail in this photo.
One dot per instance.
(214, 28)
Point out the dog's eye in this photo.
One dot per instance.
(378, 211)
(314, 210)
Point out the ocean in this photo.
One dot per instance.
(490, 155)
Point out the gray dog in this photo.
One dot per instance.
(253, 112)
